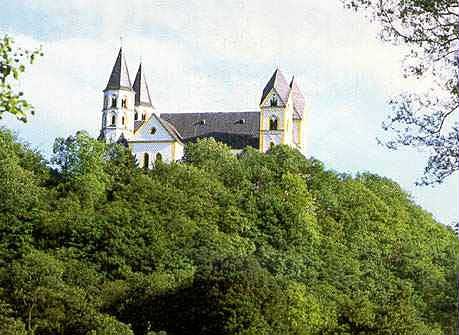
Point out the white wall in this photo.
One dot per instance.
(139, 149)
(113, 133)
(144, 132)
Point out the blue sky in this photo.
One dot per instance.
(217, 56)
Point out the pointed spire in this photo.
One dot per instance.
(279, 83)
(119, 78)
(297, 98)
(142, 94)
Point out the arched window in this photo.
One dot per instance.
(136, 116)
(273, 123)
(122, 120)
(113, 101)
(271, 145)
(159, 157)
(144, 117)
(273, 101)
(113, 120)
(146, 160)
(124, 102)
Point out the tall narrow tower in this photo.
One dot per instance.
(275, 113)
(118, 108)
(143, 106)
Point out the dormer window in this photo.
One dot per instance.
(124, 102)
(113, 101)
(273, 101)
(273, 123)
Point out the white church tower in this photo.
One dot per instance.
(282, 114)
(119, 101)
(275, 115)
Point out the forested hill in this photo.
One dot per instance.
(257, 244)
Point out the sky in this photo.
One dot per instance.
(217, 56)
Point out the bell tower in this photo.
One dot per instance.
(118, 104)
(275, 113)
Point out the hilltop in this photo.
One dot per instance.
(215, 244)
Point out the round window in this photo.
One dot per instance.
(153, 130)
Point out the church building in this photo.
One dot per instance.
(129, 117)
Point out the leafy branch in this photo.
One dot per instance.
(13, 61)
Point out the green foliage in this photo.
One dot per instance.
(217, 244)
(428, 30)
(13, 62)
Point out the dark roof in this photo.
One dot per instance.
(138, 124)
(119, 78)
(236, 129)
(297, 98)
(280, 84)
(142, 93)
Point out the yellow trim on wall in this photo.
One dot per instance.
(174, 151)
(284, 115)
(262, 118)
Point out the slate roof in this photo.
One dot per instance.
(138, 124)
(297, 98)
(280, 84)
(142, 93)
(236, 129)
(119, 78)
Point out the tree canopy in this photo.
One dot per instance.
(217, 244)
(13, 61)
(430, 30)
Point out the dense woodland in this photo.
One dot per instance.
(217, 244)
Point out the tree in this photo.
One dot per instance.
(430, 29)
(81, 162)
(37, 284)
(21, 196)
(248, 244)
(10, 325)
(12, 63)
